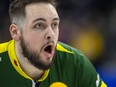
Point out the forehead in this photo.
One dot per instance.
(43, 10)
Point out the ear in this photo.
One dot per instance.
(14, 31)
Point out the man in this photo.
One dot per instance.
(35, 58)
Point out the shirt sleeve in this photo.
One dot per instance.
(88, 77)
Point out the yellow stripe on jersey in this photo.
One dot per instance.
(103, 84)
(61, 48)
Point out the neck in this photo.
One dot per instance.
(26, 66)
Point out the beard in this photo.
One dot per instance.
(33, 56)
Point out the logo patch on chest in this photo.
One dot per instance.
(58, 84)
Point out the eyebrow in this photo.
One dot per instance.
(42, 19)
(56, 19)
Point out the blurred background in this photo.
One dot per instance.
(88, 25)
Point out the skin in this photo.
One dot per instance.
(39, 29)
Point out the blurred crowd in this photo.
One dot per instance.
(88, 25)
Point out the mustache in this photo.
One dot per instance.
(48, 42)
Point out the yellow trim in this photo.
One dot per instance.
(12, 54)
(3, 47)
(44, 76)
(61, 48)
(103, 84)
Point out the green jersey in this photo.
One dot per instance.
(70, 69)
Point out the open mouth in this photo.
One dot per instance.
(48, 49)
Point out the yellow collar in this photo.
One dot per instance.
(16, 65)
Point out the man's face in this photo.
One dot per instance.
(40, 34)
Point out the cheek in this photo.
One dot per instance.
(57, 34)
(33, 36)
(34, 39)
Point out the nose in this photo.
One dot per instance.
(49, 33)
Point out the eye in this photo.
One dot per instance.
(54, 25)
(39, 26)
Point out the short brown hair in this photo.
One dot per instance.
(17, 8)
